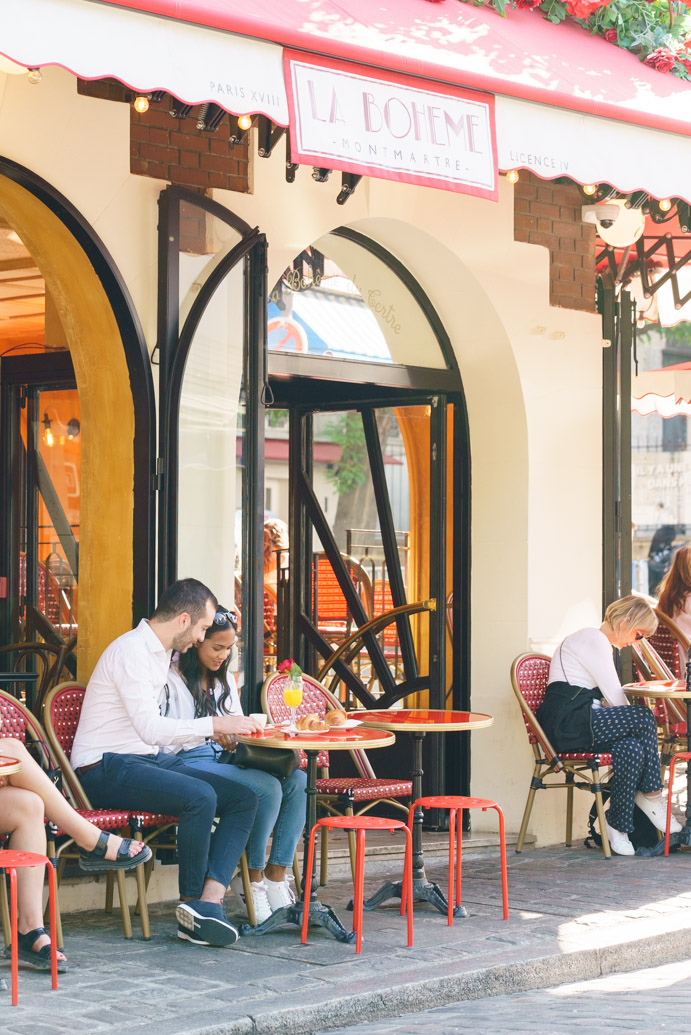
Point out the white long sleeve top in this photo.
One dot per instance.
(120, 711)
(585, 659)
(178, 703)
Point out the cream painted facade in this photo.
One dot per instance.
(531, 375)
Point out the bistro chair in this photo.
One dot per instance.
(341, 794)
(45, 658)
(565, 771)
(669, 715)
(668, 640)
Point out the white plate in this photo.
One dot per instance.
(286, 726)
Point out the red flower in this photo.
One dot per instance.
(529, 4)
(661, 59)
(611, 35)
(286, 665)
(584, 8)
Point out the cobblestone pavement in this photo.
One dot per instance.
(574, 916)
(642, 1001)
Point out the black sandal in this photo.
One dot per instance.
(95, 861)
(39, 959)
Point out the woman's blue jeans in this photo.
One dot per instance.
(282, 805)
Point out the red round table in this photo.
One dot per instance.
(312, 744)
(418, 722)
(9, 766)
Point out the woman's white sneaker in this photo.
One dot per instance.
(262, 908)
(656, 811)
(279, 893)
(619, 841)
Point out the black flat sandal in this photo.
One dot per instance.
(39, 959)
(95, 861)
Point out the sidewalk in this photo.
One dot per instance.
(573, 915)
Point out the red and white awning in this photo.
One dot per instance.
(666, 392)
(566, 103)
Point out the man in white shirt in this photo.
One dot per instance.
(116, 755)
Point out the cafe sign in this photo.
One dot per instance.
(391, 126)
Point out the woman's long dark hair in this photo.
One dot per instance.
(191, 670)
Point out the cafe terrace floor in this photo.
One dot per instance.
(573, 915)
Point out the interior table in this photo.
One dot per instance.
(418, 722)
(676, 689)
(312, 744)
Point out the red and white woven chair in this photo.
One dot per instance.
(339, 795)
(569, 770)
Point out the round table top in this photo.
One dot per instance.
(329, 740)
(659, 688)
(8, 765)
(413, 720)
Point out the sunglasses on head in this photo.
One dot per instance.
(640, 636)
(222, 618)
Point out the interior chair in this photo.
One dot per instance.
(342, 794)
(61, 712)
(561, 771)
(45, 658)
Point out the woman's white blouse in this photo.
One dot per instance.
(585, 659)
(181, 704)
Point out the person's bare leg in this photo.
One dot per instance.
(57, 808)
(22, 815)
(275, 873)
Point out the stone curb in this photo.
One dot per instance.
(504, 979)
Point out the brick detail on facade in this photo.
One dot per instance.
(173, 149)
(549, 214)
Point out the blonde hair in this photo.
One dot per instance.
(275, 538)
(635, 611)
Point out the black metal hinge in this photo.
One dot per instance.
(157, 477)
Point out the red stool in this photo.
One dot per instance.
(361, 824)
(10, 862)
(682, 756)
(456, 804)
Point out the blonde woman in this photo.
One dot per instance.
(585, 709)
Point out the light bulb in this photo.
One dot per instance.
(665, 204)
(34, 75)
(141, 104)
(49, 437)
(245, 122)
(590, 189)
(512, 176)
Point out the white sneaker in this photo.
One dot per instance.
(260, 900)
(619, 841)
(279, 893)
(656, 811)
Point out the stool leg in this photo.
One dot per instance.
(504, 879)
(5, 910)
(324, 856)
(404, 889)
(452, 831)
(351, 842)
(359, 889)
(14, 924)
(669, 801)
(307, 885)
(53, 924)
(459, 849)
(408, 882)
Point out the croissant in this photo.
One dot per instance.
(335, 718)
(305, 721)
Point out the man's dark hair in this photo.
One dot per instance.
(188, 596)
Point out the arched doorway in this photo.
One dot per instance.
(101, 332)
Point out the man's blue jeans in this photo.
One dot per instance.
(282, 805)
(163, 783)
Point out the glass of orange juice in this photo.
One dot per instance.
(292, 696)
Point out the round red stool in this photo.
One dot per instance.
(361, 824)
(10, 862)
(455, 804)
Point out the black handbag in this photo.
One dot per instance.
(280, 762)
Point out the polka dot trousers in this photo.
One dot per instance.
(629, 734)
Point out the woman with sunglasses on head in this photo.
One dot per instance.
(585, 709)
(200, 684)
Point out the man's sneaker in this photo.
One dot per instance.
(656, 811)
(207, 922)
(262, 907)
(188, 936)
(619, 841)
(279, 893)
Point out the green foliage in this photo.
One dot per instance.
(349, 434)
(658, 32)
